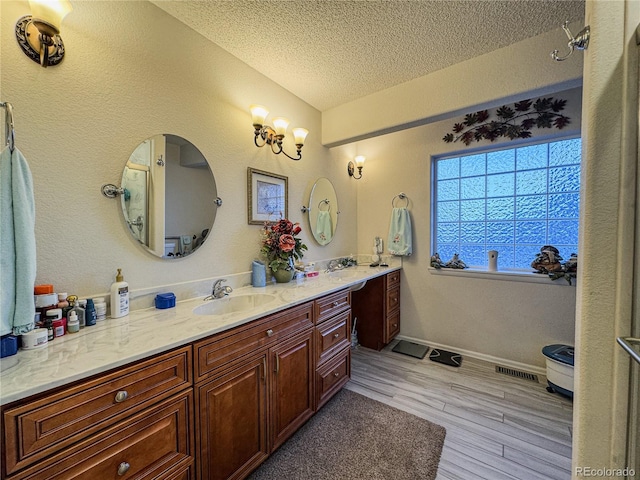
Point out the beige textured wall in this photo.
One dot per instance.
(505, 319)
(607, 288)
(132, 71)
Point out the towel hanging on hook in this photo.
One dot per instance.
(9, 130)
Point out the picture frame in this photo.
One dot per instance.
(267, 196)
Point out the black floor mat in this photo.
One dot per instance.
(412, 349)
(447, 358)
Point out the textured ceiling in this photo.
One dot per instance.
(329, 52)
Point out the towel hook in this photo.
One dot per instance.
(401, 196)
(323, 202)
(580, 41)
(9, 131)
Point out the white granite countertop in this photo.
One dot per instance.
(116, 342)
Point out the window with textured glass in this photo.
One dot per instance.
(510, 200)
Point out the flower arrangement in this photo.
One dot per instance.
(280, 244)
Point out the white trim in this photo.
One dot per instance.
(509, 275)
(481, 356)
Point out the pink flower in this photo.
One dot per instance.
(283, 226)
(287, 243)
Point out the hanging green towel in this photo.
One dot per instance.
(324, 227)
(399, 242)
(17, 244)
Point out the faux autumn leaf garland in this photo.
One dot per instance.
(512, 122)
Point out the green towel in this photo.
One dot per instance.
(17, 244)
(399, 242)
(324, 227)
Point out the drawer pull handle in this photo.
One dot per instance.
(123, 468)
(336, 303)
(336, 374)
(269, 333)
(395, 325)
(121, 396)
(336, 335)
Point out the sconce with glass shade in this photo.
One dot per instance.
(273, 136)
(351, 167)
(38, 34)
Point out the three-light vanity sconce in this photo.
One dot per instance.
(273, 136)
(38, 34)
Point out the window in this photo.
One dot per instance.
(510, 200)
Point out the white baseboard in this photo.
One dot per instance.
(480, 356)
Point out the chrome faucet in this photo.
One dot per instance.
(334, 265)
(219, 291)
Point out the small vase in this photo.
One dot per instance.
(284, 275)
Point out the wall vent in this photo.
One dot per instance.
(516, 373)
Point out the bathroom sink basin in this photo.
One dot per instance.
(343, 274)
(233, 304)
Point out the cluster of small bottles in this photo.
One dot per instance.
(66, 315)
(60, 313)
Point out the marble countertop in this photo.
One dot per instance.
(116, 342)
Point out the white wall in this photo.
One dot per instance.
(130, 72)
(504, 319)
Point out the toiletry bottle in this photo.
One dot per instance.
(91, 316)
(48, 323)
(73, 325)
(119, 297)
(82, 319)
(73, 300)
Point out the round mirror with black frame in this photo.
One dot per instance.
(169, 197)
(323, 211)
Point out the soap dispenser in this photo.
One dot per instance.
(119, 297)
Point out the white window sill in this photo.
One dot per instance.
(508, 275)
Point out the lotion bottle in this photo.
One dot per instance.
(119, 297)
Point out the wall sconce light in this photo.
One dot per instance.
(266, 135)
(351, 167)
(38, 34)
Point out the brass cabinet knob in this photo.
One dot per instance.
(121, 396)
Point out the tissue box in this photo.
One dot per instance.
(165, 300)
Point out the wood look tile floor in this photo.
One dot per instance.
(498, 426)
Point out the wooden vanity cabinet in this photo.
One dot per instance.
(377, 308)
(333, 345)
(255, 390)
(135, 421)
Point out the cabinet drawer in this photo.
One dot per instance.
(228, 348)
(333, 335)
(332, 376)
(154, 443)
(392, 326)
(44, 426)
(393, 299)
(393, 278)
(330, 305)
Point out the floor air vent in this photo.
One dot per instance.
(516, 373)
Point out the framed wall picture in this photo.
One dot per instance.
(267, 196)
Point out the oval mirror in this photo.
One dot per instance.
(170, 197)
(323, 211)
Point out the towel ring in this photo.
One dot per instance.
(328, 205)
(401, 196)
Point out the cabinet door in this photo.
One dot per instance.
(292, 399)
(232, 421)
